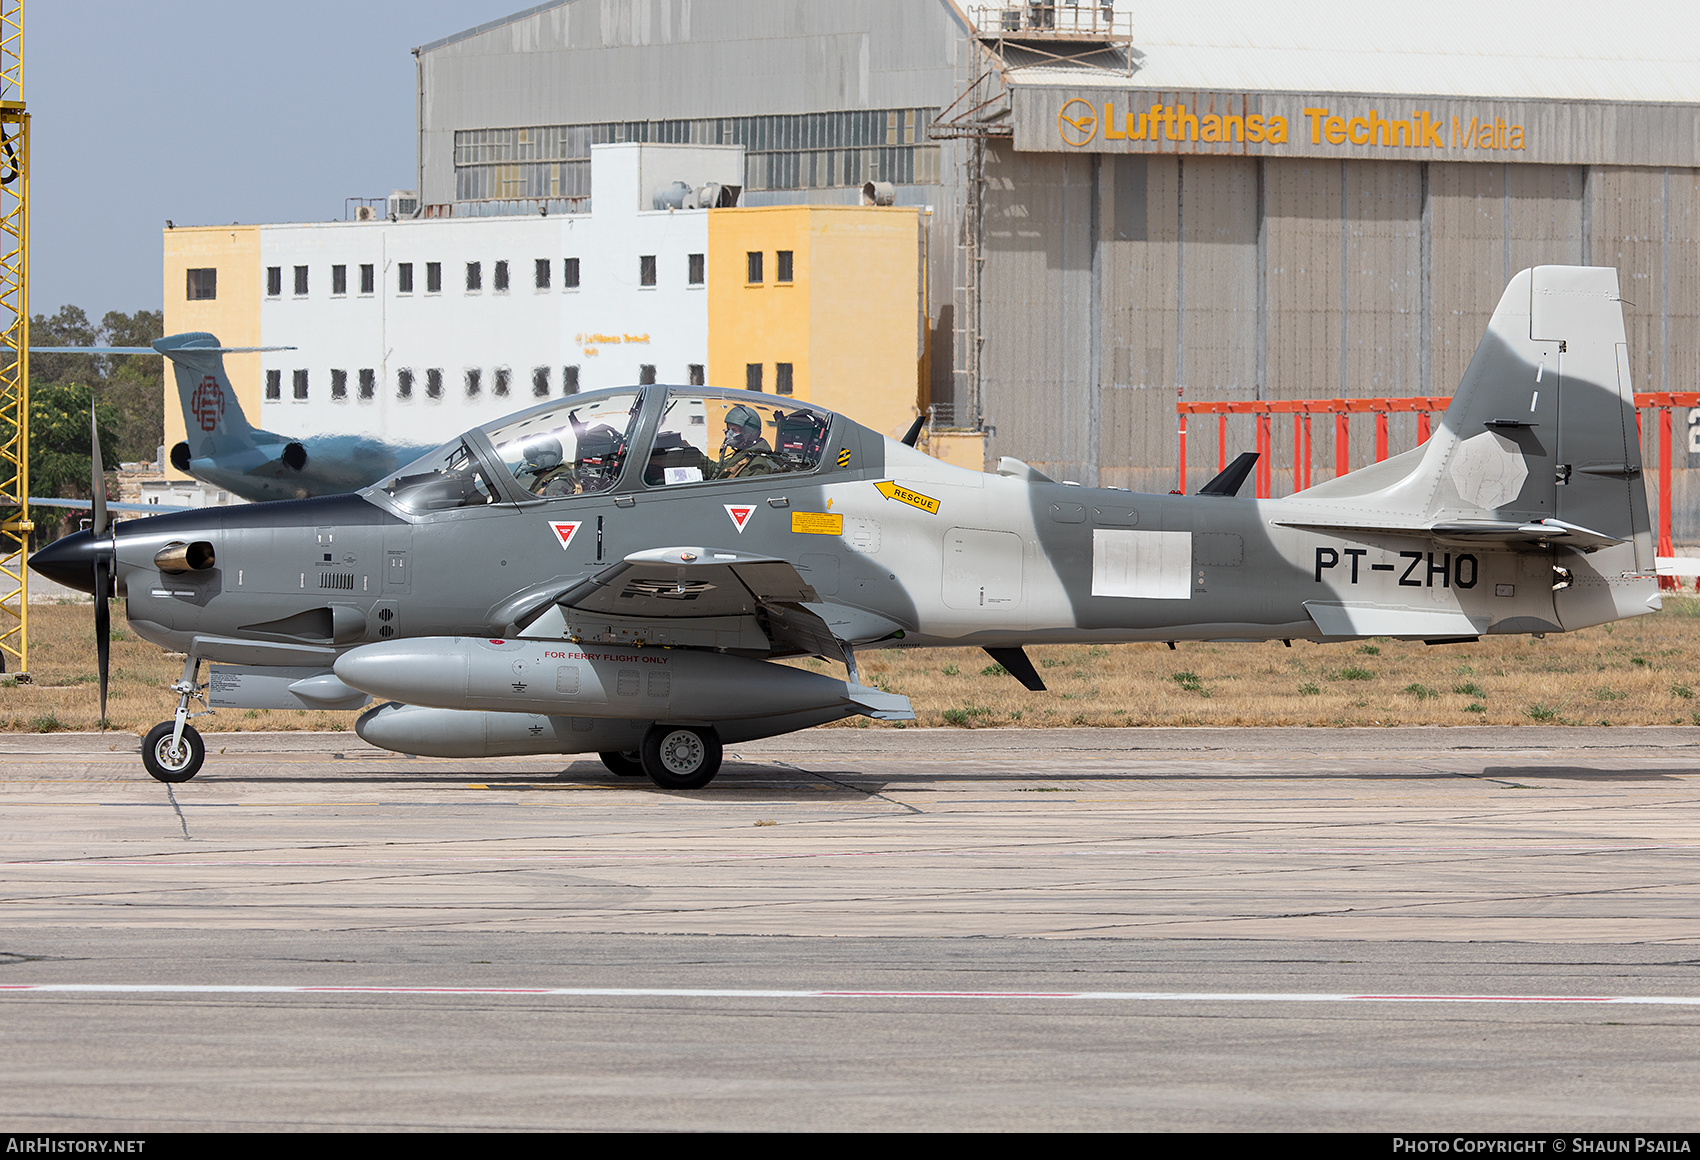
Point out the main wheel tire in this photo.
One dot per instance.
(626, 763)
(681, 756)
(164, 765)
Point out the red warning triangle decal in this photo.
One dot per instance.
(740, 513)
(565, 530)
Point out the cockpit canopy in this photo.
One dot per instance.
(586, 444)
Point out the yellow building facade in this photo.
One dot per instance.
(232, 313)
(835, 294)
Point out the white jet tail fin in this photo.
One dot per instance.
(213, 421)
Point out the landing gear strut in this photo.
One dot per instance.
(173, 750)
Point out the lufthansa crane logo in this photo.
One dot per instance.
(1077, 121)
(207, 403)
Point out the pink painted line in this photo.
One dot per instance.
(752, 993)
(1327, 851)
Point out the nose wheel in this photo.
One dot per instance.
(169, 761)
(681, 756)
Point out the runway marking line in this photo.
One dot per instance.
(728, 993)
(169, 860)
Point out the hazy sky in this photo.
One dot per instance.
(209, 112)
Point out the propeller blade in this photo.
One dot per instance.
(102, 627)
(97, 482)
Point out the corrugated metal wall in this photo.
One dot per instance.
(1115, 284)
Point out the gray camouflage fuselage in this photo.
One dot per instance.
(1525, 512)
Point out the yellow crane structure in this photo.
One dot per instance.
(15, 525)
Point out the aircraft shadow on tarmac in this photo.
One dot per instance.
(1585, 773)
(771, 781)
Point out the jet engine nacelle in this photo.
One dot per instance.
(683, 686)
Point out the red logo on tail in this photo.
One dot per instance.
(207, 403)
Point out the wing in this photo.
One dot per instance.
(698, 598)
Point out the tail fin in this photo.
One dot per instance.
(1539, 445)
(212, 417)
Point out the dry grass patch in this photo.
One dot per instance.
(1636, 672)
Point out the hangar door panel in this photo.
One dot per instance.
(981, 569)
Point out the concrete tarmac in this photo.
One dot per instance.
(1238, 929)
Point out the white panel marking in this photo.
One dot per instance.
(1142, 565)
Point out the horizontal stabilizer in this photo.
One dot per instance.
(1535, 534)
(200, 342)
(151, 509)
(93, 350)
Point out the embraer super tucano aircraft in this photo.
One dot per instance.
(616, 571)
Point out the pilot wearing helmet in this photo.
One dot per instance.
(743, 452)
(540, 471)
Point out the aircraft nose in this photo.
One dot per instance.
(68, 560)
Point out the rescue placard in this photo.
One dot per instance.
(817, 523)
(913, 498)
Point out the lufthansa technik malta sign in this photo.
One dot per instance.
(1399, 128)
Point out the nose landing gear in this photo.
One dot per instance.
(173, 751)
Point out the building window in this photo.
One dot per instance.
(752, 376)
(474, 382)
(753, 259)
(368, 385)
(504, 379)
(434, 383)
(569, 380)
(782, 378)
(474, 276)
(646, 270)
(782, 271)
(542, 273)
(274, 281)
(404, 278)
(300, 385)
(300, 280)
(203, 284)
(368, 278)
(646, 374)
(540, 382)
(698, 270)
(433, 277)
(404, 384)
(569, 273)
(339, 385)
(698, 375)
(274, 386)
(339, 279)
(501, 277)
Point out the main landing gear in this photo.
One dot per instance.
(626, 763)
(681, 756)
(173, 751)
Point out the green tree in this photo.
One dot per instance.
(132, 384)
(61, 460)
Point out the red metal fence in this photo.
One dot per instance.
(1425, 406)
